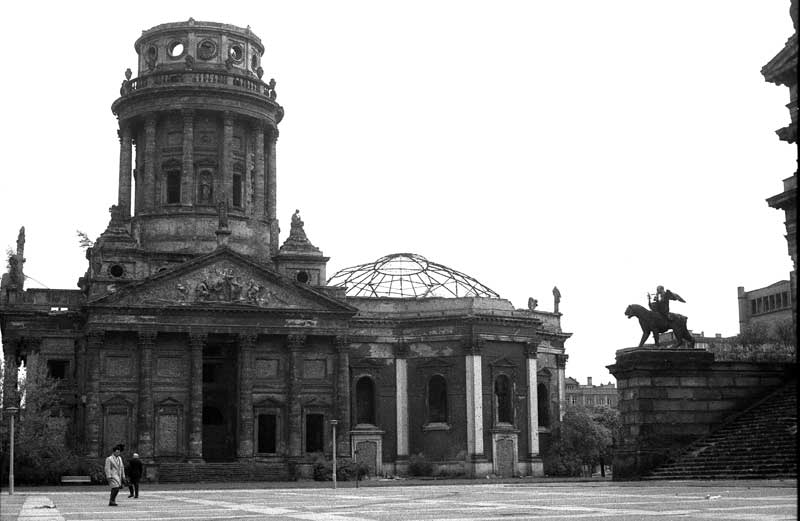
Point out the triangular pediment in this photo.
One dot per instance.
(223, 279)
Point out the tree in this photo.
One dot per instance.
(41, 453)
(783, 333)
(752, 335)
(583, 439)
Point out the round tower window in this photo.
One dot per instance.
(236, 52)
(206, 49)
(116, 270)
(175, 49)
(302, 277)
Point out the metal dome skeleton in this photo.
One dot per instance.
(407, 275)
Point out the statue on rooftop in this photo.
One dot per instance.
(556, 299)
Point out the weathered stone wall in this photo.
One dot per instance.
(669, 398)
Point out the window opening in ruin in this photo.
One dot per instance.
(314, 432)
(57, 369)
(175, 49)
(173, 187)
(206, 49)
(437, 399)
(254, 62)
(302, 277)
(236, 52)
(237, 190)
(543, 409)
(267, 433)
(116, 271)
(365, 401)
(502, 392)
(212, 416)
(209, 373)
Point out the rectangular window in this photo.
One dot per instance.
(753, 307)
(314, 432)
(267, 433)
(237, 190)
(759, 305)
(57, 369)
(785, 296)
(771, 302)
(173, 187)
(209, 373)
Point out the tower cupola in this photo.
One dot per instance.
(198, 128)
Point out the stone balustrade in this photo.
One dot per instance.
(198, 77)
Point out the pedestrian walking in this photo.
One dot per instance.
(115, 473)
(134, 475)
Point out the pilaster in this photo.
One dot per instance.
(401, 398)
(474, 396)
(533, 401)
(125, 166)
(196, 343)
(272, 186)
(295, 344)
(10, 381)
(149, 190)
(188, 189)
(561, 364)
(343, 394)
(246, 345)
(260, 187)
(146, 342)
(95, 341)
(227, 158)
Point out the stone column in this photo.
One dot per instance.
(343, 394)
(125, 166)
(144, 425)
(247, 343)
(10, 382)
(226, 183)
(260, 195)
(272, 185)
(561, 364)
(474, 388)
(32, 364)
(149, 190)
(93, 413)
(188, 188)
(196, 342)
(296, 343)
(533, 401)
(401, 398)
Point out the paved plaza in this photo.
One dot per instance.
(540, 501)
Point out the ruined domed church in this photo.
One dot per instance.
(196, 337)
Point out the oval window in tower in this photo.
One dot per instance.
(175, 49)
(236, 52)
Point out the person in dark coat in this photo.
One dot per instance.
(134, 475)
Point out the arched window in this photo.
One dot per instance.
(437, 399)
(502, 393)
(365, 401)
(237, 190)
(544, 410)
(212, 416)
(174, 187)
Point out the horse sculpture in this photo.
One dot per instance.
(655, 323)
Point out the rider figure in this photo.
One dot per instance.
(660, 303)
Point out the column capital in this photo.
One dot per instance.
(150, 122)
(296, 341)
(474, 345)
(561, 361)
(247, 339)
(271, 134)
(196, 338)
(147, 337)
(227, 118)
(95, 337)
(188, 114)
(402, 350)
(531, 348)
(342, 343)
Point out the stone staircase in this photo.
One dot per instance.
(757, 443)
(221, 472)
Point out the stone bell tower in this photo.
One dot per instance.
(197, 130)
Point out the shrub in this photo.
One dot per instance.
(418, 465)
(346, 469)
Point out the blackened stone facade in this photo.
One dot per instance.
(195, 338)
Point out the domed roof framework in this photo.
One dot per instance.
(407, 275)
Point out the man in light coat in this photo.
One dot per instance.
(115, 474)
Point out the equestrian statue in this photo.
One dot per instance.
(658, 319)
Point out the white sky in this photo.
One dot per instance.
(603, 147)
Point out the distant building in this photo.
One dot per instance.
(769, 306)
(590, 395)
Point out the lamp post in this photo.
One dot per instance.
(333, 426)
(12, 411)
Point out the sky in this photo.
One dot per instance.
(601, 147)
